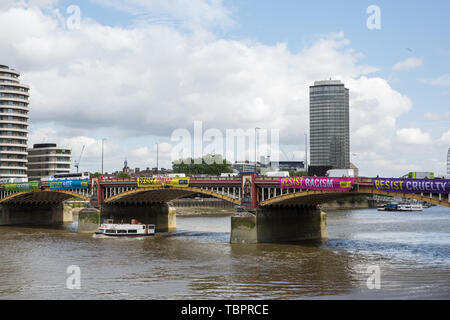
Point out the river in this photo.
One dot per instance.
(410, 250)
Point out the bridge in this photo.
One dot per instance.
(276, 213)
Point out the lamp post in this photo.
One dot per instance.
(306, 152)
(103, 140)
(256, 145)
(157, 157)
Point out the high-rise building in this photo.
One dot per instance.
(329, 124)
(13, 124)
(448, 161)
(47, 159)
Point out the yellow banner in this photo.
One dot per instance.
(147, 182)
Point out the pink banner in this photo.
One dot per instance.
(317, 183)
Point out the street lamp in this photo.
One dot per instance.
(102, 153)
(306, 152)
(157, 157)
(256, 146)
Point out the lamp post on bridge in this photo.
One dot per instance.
(103, 140)
(306, 152)
(256, 145)
(157, 157)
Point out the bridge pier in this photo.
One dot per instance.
(161, 215)
(279, 224)
(33, 214)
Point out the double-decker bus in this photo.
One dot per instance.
(71, 176)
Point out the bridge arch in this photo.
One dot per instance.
(37, 196)
(319, 196)
(163, 194)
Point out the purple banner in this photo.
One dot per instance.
(412, 185)
(317, 183)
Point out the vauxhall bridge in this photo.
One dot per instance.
(277, 209)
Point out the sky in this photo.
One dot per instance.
(136, 72)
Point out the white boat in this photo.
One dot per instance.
(381, 208)
(410, 207)
(133, 229)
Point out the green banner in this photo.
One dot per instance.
(146, 182)
(22, 186)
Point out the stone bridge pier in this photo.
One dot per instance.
(33, 214)
(161, 215)
(279, 223)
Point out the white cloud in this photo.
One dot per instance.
(407, 64)
(436, 116)
(192, 14)
(442, 81)
(150, 79)
(445, 139)
(413, 136)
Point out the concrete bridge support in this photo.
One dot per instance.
(279, 224)
(161, 215)
(33, 214)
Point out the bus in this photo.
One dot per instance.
(71, 176)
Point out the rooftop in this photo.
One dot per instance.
(327, 82)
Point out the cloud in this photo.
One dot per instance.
(150, 79)
(407, 64)
(442, 81)
(192, 14)
(445, 139)
(436, 116)
(413, 136)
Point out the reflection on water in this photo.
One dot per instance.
(197, 262)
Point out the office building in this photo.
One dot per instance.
(46, 160)
(448, 161)
(14, 100)
(286, 165)
(329, 125)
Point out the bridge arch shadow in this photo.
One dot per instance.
(42, 196)
(163, 194)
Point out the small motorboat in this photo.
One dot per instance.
(133, 229)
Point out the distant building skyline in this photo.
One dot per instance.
(329, 124)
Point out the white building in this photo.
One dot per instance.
(13, 124)
(46, 159)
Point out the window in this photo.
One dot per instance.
(132, 231)
(110, 231)
(121, 231)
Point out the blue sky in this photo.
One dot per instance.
(272, 39)
(408, 29)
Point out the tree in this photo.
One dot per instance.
(94, 175)
(212, 165)
(298, 173)
(123, 175)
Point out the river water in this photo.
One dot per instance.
(410, 250)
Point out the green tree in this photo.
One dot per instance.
(94, 175)
(298, 173)
(123, 175)
(210, 164)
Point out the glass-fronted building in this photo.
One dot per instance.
(448, 161)
(46, 160)
(13, 124)
(329, 124)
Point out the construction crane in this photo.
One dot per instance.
(77, 163)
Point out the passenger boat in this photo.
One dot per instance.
(410, 207)
(391, 206)
(133, 229)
